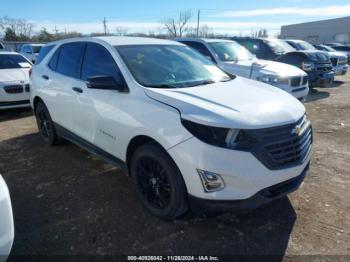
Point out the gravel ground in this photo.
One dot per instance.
(67, 202)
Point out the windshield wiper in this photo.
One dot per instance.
(162, 86)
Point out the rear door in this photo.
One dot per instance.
(59, 81)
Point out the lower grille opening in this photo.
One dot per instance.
(283, 187)
(13, 89)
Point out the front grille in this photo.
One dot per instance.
(324, 68)
(295, 81)
(305, 80)
(281, 147)
(342, 62)
(14, 89)
(334, 61)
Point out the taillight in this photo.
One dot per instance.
(30, 72)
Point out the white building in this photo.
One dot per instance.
(318, 32)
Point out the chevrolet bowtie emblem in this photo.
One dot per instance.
(297, 130)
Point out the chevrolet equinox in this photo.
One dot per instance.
(189, 135)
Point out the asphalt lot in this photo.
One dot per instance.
(66, 201)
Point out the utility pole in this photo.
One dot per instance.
(198, 17)
(56, 30)
(105, 25)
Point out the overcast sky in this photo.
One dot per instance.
(223, 16)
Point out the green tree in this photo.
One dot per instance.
(45, 36)
(10, 35)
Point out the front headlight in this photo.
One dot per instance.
(216, 136)
(272, 80)
(306, 66)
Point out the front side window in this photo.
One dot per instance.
(99, 62)
(69, 59)
(200, 48)
(9, 61)
(169, 66)
(230, 51)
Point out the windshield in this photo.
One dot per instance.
(328, 48)
(302, 45)
(13, 61)
(279, 46)
(36, 49)
(169, 66)
(230, 51)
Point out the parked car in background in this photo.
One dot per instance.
(31, 51)
(235, 59)
(316, 64)
(190, 135)
(333, 44)
(6, 222)
(14, 80)
(344, 49)
(339, 60)
(331, 49)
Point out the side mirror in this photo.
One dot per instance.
(104, 82)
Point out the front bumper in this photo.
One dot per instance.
(263, 197)
(299, 92)
(244, 175)
(317, 78)
(341, 69)
(14, 99)
(6, 221)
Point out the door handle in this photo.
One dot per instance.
(45, 77)
(77, 89)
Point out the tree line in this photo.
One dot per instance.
(21, 30)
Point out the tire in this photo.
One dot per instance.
(158, 181)
(45, 125)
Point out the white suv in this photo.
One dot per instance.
(31, 51)
(187, 133)
(236, 59)
(7, 231)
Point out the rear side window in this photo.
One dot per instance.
(69, 59)
(97, 62)
(54, 59)
(43, 52)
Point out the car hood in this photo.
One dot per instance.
(338, 54)
(240, 103)
(11, 75)
(265, 67)
(280, 69)
(318, 56)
